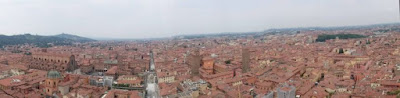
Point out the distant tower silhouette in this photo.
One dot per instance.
(194, 62)
(245, 60)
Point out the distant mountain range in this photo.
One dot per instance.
(41, 41)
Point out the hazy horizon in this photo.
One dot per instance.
(136, 19)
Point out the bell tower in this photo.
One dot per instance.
(51, 82)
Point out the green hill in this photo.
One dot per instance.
(74, 37)
(41, 41)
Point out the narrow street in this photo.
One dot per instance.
(152, 89)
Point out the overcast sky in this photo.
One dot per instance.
(164, 18)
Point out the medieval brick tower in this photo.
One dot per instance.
(194, 62)
(245, 60)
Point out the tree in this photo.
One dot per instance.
(324, 37)
(228, 62)
(341, 51)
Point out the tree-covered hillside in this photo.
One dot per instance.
(40, 41)
(324, 37)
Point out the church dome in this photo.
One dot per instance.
(53, 74)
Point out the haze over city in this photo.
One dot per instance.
(199, 49)
(164, 18)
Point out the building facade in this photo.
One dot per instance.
(48, 61)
